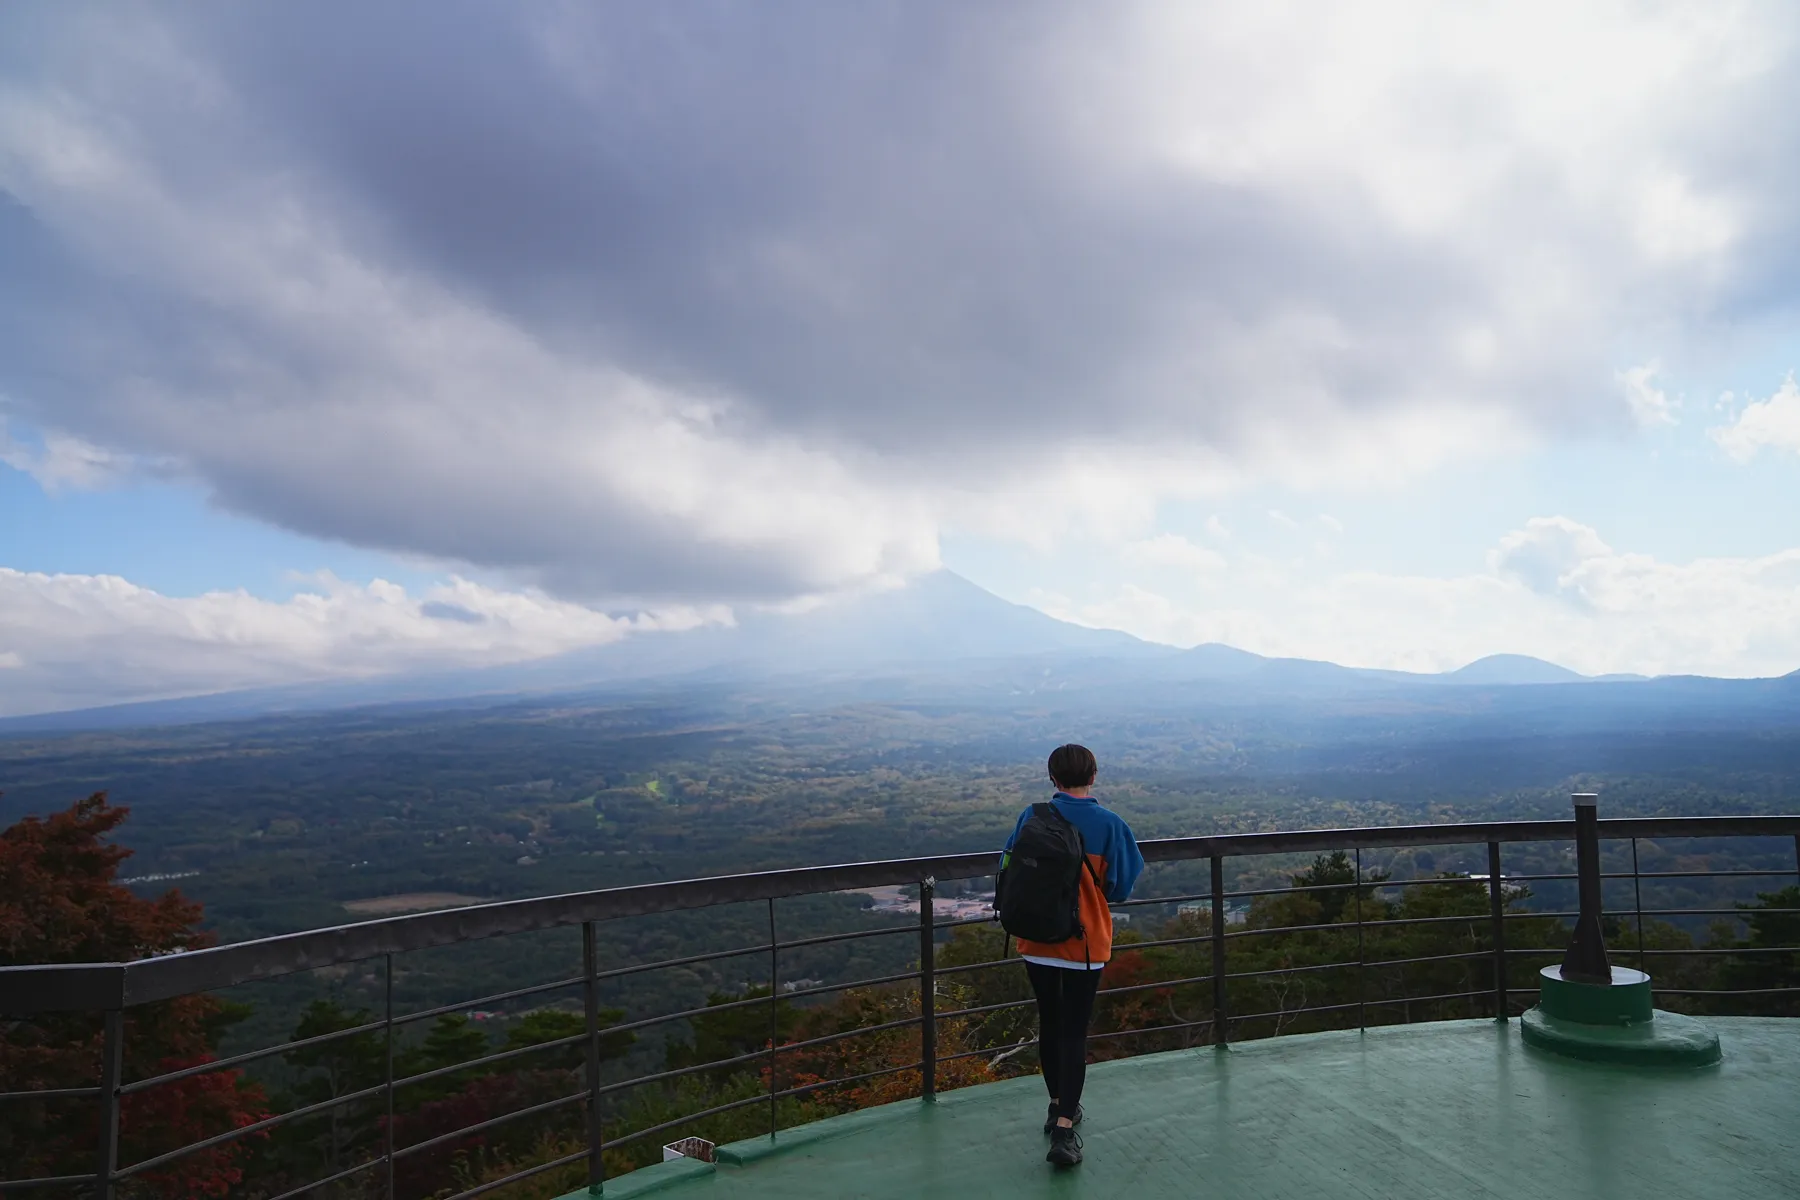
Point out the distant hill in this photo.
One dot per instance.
(937, 619)
(1512, 669)
(938, 636)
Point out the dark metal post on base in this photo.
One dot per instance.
(1586, 961)
(927, 991)
(1588, 1008)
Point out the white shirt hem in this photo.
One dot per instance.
(1061, 962)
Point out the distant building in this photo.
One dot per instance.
(1236, 912)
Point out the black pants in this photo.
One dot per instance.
(1065, 1000)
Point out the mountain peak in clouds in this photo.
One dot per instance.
(1217, 660)
(1512, 669)
(934, 618)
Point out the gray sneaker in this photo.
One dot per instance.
(1050, 1119)
(1065, 1147)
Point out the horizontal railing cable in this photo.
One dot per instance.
(490, 1123)
(238, 1060)
(231, 1135)
(75, 1093)
(519, 1176)
(1119, 1033)
(487, 1001)
(339, 1177)
(19, 1185)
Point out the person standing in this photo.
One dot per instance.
(1064, 863)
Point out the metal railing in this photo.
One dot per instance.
(113, 988)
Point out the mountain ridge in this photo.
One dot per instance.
(940, 626)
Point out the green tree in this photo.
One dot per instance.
(340, 1067)
(1770, 956)
(735, 1029)
(452, 1040)
(554, 1024)
(1337, 872)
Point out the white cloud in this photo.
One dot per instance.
(1649, 403)
(1773, 423)
(1548, 555)
(1555, 590)
(78, 640)
(1217, 528)
(1282, 519)
(1171, 550)
(64, 463)
(769, 327)
(1330, 522)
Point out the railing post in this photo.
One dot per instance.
(927, 990)
(112, 1070)
(590, 1002)
(1220, 1014)
(1497, 915)
(1637, 901)
(1362, 991)
(387, 1138)
(774, 1011)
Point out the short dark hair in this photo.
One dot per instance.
(1073, 766)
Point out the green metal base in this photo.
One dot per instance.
(1625, 1002)
(1670, 1040)
(1614, 1023)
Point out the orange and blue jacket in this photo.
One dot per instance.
(1112, 852)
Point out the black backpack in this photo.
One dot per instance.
(1038, 893)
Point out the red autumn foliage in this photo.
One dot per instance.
(1144, 1009)
(891, 1050)
(60, 901)
(478, 1100)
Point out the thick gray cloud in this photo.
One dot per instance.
(735, 300)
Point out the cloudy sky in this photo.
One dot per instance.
(339, 338)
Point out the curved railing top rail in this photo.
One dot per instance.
(69, 987)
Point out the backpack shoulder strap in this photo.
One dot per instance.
(1048, 811)
(1085, 860)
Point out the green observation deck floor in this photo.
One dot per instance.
(1457, 1108)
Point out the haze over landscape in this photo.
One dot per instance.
(341, 345)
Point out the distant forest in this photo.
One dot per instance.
(277, 824)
